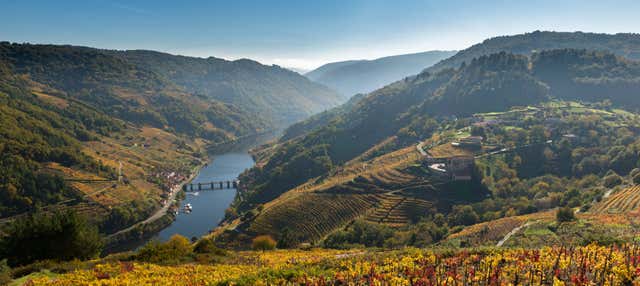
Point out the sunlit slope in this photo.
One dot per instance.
(541, 228)
(624, 201)
(59, 152)
(393, 189)
(411, 109)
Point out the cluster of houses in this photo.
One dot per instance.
(170, 179)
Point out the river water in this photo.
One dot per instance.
(208, 206)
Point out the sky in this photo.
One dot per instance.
(301, 34)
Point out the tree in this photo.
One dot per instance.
(263, 242)
(178, 245)
(61, 235)
(177, 248)
(207, 245)
(463, 215)
(5, 273)
(612, 180)
(287, 239)
(565, 214)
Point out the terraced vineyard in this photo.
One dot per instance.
(394, 189)
(313, 214)
(372, 189)
(387, 178)
(395, 210)
(623, 201)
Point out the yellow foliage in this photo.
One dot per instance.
(589, 265)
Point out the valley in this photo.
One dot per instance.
(511, 162)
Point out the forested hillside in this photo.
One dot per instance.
(34, 132)
(349, 151)
(279, 97)
(364, 76)
(73, 117)
(625, 45)
(123, 90)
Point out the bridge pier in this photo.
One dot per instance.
(199, 187)
(212, 186)
(221, 187)
(191, 185)
(235, 184)
(228, 185)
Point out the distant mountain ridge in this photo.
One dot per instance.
(623, 44)
(277, 95)
(123, 90)
(363, 76)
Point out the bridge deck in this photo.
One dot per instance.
(210, 186)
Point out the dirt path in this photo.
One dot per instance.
(511, 233)
(421, 149)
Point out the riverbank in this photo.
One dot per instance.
(162, 218)
(222, 164)
(209, 207)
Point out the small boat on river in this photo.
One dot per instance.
(188, 208)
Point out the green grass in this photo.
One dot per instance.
(22, 280)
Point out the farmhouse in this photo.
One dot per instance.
(472, 142)
(457, 168)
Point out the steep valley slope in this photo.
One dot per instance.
(295, 182)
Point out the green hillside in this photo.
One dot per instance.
(408, 108)
(125, 91)
(338, 156)
(63, 140)
(278, 96)
(34, 132)
(625, 45)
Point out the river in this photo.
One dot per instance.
(208, 206)
(227, 162)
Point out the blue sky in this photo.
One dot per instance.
(297, 33)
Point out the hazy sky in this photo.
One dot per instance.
(298, 33)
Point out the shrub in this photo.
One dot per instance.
(178, 248)
(565, 214)
(178, 245)
(263, 242)
(206, 245)
(5, 273)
